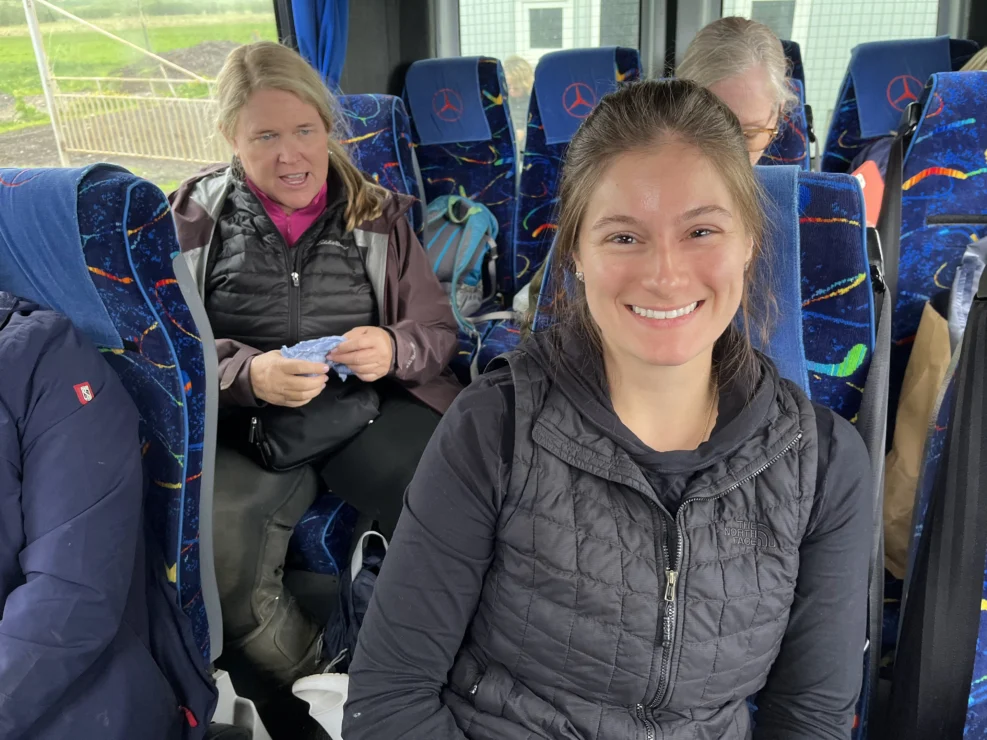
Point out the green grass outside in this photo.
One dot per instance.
(74, 51)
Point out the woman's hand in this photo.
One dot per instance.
(367, 351)
(283, 382)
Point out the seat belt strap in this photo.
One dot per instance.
(941, 620)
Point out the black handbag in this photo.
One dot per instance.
(284, 438)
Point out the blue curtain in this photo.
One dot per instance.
(320, 31)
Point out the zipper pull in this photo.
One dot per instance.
(295, 279)
(254, 424)
(673, 577)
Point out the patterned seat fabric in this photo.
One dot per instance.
(541, 166)
(793, 53)
(440, 99)
(837, 294)
(378, 137)
(792, 143)
(128, 241)
(844, 140)
(321, 540)
(944, 191)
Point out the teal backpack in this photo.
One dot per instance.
(460, 241)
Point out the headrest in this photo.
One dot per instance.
(793, 53)
(445, 100)
(41, 255)
(961, 51)
(781, 270)
(569, 84)
(888, 75)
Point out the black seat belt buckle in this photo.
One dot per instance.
(875, 257)
(808, 122)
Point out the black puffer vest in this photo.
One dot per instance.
(602, 615)
(265, 294)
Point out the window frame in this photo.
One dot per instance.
(522, 27)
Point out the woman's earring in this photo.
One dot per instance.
(580, 277)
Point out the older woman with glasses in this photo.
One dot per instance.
(742, 62)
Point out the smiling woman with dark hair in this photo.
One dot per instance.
(633, 524)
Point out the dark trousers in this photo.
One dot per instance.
(373, 470)
(255, 510)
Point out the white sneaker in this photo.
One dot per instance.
(326, 694)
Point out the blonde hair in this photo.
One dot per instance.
(977, 63)
(266, 65)
(731, 46)
(519, 74)
(636, 117)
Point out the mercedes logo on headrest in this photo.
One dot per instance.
(447, 105)
(578, 100)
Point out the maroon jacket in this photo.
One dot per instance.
(411, 303)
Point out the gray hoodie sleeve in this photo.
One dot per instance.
(812, 689)
(431, 580)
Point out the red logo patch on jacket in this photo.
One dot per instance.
(85, 393)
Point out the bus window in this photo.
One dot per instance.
(130, 84)
(520, 32)
(827, 30)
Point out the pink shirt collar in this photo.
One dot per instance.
(293, 226)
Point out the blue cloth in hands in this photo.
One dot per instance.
(317, 350)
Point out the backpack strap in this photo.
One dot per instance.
(356, 562)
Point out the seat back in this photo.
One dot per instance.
(378, 137)
(943, 196)
(837, 293)
(791, 146)
(793, 53)
(464, 140)
(98, 245)
(882, 79)
(568, 84)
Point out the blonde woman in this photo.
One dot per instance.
(743, 63)
(292, 243)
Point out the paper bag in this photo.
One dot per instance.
(923, 378)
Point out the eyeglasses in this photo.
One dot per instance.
(760, 138)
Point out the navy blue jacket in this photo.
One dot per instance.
(85, 622)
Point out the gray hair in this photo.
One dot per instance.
(731, 46)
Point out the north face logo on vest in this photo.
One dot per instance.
(750, 534)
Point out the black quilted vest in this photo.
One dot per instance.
(265, 294)
(581, 633)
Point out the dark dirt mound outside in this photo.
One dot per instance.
(205, 59)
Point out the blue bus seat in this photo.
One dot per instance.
(791, 146)
(943, 196)
(378, 137)
(882, 78)
(464, 141)
(837, 293)
(568, 84)
(98, 244)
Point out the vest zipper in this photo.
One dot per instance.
(647, 723)
(672, 573)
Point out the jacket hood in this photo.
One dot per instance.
(10, 304)
(581, 380)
